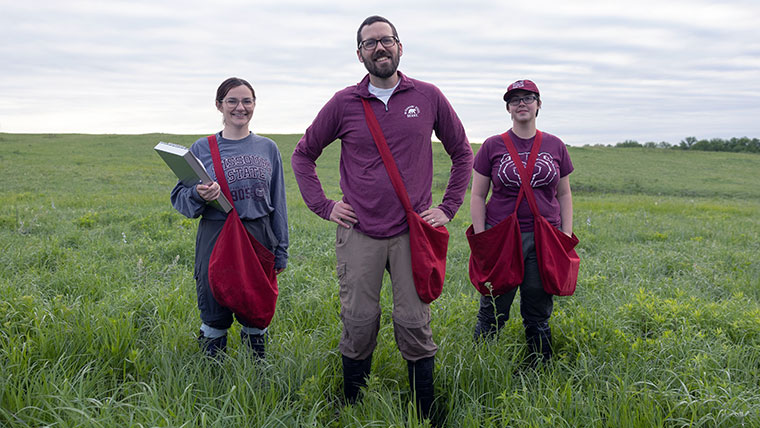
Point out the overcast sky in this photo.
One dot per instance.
(608, 71)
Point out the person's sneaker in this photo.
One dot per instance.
(256, 343)
(213, 348)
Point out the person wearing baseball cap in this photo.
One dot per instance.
(521, 85)
(494, 167)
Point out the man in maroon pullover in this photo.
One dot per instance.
(372, 234)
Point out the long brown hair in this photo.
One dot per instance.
(232, 82)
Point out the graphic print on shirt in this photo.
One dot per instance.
(543, 173)
(412, 111)
(255, 169)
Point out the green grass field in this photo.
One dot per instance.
(98, 317)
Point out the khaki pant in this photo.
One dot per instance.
(361, 263)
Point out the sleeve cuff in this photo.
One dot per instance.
(280, 262)
(447, 211)
(196, 196)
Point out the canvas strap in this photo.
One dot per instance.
(523, 171)
(385, 154)
(218, 170)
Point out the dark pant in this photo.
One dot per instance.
(535, 304)
(212, 313)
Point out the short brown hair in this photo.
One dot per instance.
(369, 21)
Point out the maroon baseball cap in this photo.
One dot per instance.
(525, 85)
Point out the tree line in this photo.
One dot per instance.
(743, 144)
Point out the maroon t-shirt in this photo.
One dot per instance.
(553, 162)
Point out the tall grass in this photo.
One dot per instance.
(98, 317)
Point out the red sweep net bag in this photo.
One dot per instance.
(428, 244)
(496, 257)
(558, 262)
(241, 270)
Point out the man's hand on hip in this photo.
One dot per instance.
(343, 214)
(435, 217)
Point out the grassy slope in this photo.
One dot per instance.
(97, 319)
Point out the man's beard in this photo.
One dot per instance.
(383, 71)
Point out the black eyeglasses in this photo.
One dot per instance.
(528, 99)
(370, 44)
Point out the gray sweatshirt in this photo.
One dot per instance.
(253, 168)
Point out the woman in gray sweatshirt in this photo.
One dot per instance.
(253, 168)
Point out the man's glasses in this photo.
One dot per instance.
(370, 44)
(233, 102)
(528, 99)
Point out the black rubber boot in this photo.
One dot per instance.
(355, 373)
(213, 348)
(539, 338)
(256, 343)
(421, 384)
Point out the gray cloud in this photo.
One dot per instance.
(608, 71)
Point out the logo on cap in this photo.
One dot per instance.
(518, 84)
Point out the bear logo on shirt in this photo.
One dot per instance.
(412, 111)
